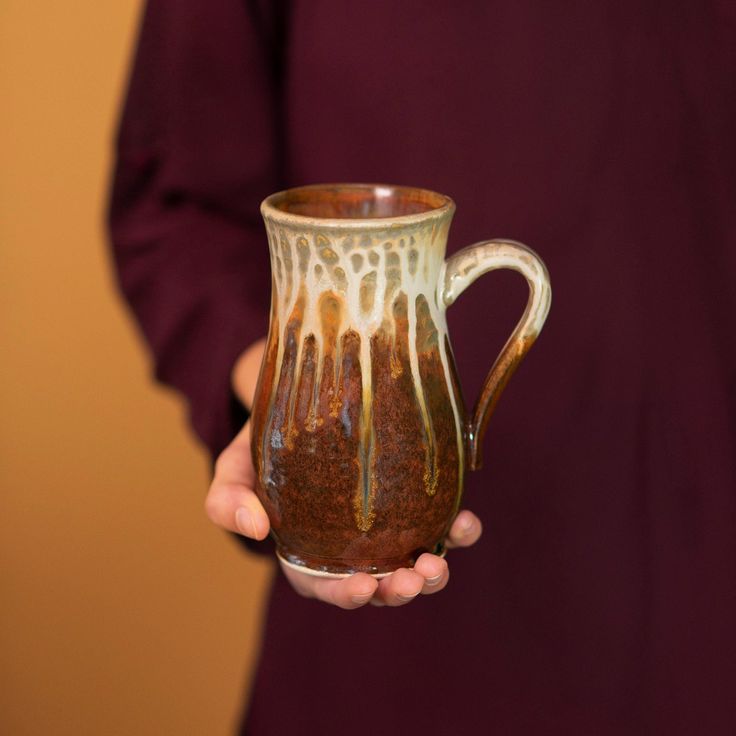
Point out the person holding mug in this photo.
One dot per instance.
(599, 599)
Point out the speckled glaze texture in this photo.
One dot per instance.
(360, 437)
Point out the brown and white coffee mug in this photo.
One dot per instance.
(360, 440)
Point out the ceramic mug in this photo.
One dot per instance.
(360, 438)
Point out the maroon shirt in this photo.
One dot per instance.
(602, 596)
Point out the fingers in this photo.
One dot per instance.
(347, 593)
(236, 508)
(231, 502)
(435, 572)
(429, 575)
(466, 530)
(235, 464)
(399, 588)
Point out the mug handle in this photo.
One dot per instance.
(458, 272)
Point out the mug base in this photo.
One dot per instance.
(333, 569)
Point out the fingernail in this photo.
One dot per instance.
(433, 581)
(361, 598)
(246, 523)
(466, 526)
(407, 597)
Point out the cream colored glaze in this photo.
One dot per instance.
(465, 266)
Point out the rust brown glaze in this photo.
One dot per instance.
(333, 493)
(358, 423)
(358, 202)
(504, 367)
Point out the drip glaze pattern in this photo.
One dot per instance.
(358, 423)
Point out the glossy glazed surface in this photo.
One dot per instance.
(357, 420)
(359, 430)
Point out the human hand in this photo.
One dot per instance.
(429, 575)
(232, 504)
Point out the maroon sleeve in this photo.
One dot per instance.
(197, 149)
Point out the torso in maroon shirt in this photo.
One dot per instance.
(598, 600)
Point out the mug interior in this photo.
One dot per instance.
(357, 201)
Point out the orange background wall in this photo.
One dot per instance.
(122, 610)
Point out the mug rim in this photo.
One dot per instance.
(271, 210)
